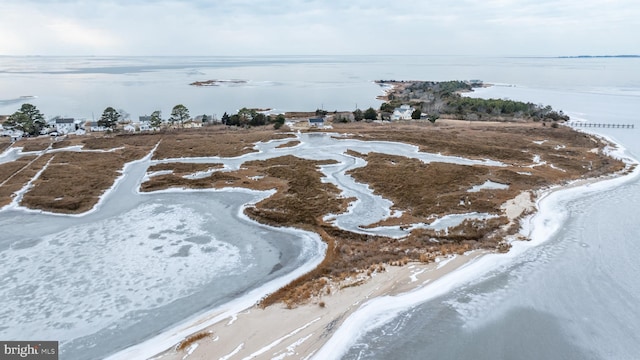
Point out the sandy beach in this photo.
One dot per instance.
(277, 332)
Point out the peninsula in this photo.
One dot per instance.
(515, 151)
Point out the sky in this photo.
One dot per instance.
(316, 27)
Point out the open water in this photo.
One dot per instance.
(572, 293)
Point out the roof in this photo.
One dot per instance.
(316, 120)
(145, 118)
(65, 121)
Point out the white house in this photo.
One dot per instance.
(190, 124)
(65, 125)
(93, 126)
(402, 113)
(129, 128)
(144, 123)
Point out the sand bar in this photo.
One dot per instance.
(278, 332)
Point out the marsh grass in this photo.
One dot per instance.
(33, 144)
(192, 339)
(214, 141)
(288, 144)
(74, 181)
(179, 168)
(16, 174)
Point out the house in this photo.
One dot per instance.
(346, 116)
(205, 119)
(190, 124)
(129, 128)
(144, 123)
(402, 113)
(65, 125)
(93, 126)
(316, 122)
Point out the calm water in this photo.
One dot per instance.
(83, 87)
(573, 296)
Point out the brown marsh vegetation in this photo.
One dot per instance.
(213, 141)
(191, 339)
(73, 182)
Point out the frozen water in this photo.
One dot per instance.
(138, 263)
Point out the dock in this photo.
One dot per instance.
(595, 125)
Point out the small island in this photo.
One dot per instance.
(217, 82)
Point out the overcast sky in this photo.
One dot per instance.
(256, 27)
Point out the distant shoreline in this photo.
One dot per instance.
(597, 56)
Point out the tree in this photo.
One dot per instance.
(387, 107)
(156, 119)
(28, 119)
(109, 118)
(225, 118)
(370, 114)
(124, 116)
(179, 114)
(246, 115)
(279, 121)
(358, 115)
(258, 120)
(415, 115)
(234, 120)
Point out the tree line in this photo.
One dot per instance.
(435, 98)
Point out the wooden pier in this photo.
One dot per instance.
(614, 126)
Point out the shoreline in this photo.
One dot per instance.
(302, 331)
(537, 227)
(317, 329)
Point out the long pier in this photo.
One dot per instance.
(616, 126)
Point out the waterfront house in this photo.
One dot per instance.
(316, 122)
(144, 123)
(206, 119)
(65, 125)
(192, 124)
(93, 126)
(402, 113)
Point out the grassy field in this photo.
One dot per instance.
(536, 157)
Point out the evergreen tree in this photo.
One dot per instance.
(225, 118)
(179, 114)
(156, 119)
(28, 120)
(109, 118)
(279, 121)
(358, 115)
(370, 114)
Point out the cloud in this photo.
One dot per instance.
(244, 27)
